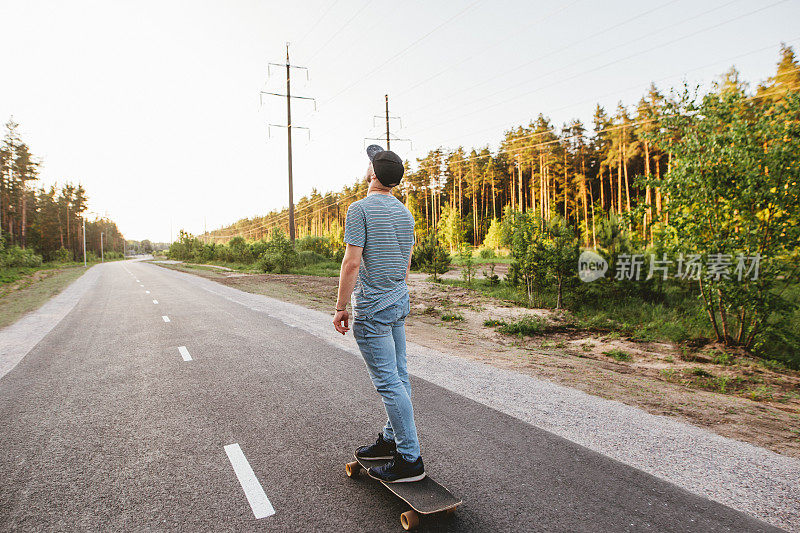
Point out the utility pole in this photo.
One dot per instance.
(386, 118)
(387, 121)
(289, 127)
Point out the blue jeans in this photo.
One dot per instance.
(381, 337)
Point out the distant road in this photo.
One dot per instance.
(157, 405)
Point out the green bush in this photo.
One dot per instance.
(14, 256)
(308, 257)
(430, 257)
(280, 256)
(62, 255)
(318, 245)
(269, 261)
(259, 247)
(452, 317)
(486, 253)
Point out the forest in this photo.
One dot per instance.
(701, 185)
(45, 223)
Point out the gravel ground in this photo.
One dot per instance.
(745, 477)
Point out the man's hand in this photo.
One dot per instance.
(341, 321)
(347, 281)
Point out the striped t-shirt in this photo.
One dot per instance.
(384, 228)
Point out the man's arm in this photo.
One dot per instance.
(347, 282)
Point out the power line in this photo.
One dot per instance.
(337, 32)
(563, 67)
(595, 98)
(282, 218)
(713, 26)
(525, 28)
(314, 26)
(603, 131)
(558, 50)
(403, 51)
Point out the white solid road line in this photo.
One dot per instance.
(155, 301)
(252, 488)
(184, 353)
(166, 318)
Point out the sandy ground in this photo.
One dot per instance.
(761, 406)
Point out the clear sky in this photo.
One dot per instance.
(153, 105)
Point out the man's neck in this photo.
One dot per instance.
(376, 189)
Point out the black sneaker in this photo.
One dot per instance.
(398, 470)
(382, 449)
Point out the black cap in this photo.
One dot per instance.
(387, 165)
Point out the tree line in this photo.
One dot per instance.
(582, 175)
(47, 222)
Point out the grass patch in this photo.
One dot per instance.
(452, 317)
(493, 323)
(327, 269)
(720, 358)
(457, 260)
(501, 291)
(669, 374)
(430, 311)
(30, 294)
(761, 393)
(526, 326)
(618, 355)
(771, 364)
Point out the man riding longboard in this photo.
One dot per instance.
(379, 235)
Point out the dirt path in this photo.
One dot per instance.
(762, 406)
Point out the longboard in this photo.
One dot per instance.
(425, 497)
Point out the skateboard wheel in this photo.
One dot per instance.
(409, 520)
(352, 469)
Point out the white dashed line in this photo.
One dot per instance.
(252, 488)
(184, 353)
(166, 318)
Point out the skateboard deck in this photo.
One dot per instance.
(425, 497)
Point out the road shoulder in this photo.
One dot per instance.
(17, 339)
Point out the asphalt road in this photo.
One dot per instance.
(105, 426)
